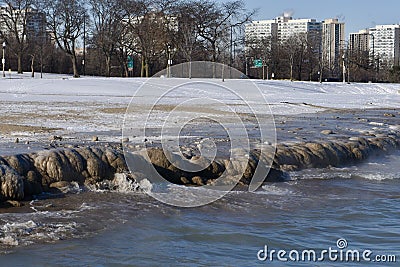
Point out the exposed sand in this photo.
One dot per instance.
(15, 128)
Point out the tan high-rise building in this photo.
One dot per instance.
(359, 42)
(333, 43)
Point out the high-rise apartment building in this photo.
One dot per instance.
(359, 42)
(333, 43)
(281, 29)
(287, 27)
(384, 43)
(261, 29)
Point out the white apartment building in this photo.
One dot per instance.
(384, 43)
(260, 35)
(287, 27)
(261, 29)
(333, 42)
(281, 29)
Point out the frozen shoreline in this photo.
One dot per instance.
(67, 113)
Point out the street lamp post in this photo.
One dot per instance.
(344, 60)
(169, 61)
(247, 67)
(84, 45)
(344, 69)
(4, 59)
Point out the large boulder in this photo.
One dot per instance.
(12, 184)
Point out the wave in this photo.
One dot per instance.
(24, 233)
(377, 176)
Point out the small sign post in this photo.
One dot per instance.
(130, 64)
(258, 63)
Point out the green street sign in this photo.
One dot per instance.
(258, 63)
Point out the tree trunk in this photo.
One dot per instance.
(214, 59)
(142, 68)
(126, 71)
(299, 76)
(291, 68)
(19, 56)
(33, 66)
(75, 65)
(190, 68)
(108, 66)
(147, 68)
(320, 73)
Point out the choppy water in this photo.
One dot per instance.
(312, 211)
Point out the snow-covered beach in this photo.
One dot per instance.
(36, 109)
(61, 112)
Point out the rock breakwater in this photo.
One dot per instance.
(23, 176)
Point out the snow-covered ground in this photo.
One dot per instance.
(328, 95)
(60, 104)
(285, 97)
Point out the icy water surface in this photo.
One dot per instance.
(312, 211)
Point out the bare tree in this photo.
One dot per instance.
(187, 37)
(260, 48)
(215, 21)
(148, 37)
(294, 49)
(313, 57)
(14, 17)
(39, 48)
(65, 19)
(108, 29)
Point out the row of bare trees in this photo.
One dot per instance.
(113, 31)
(296, 58)
(300, 57)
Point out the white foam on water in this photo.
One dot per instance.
(394, 127)
(380, 169)
(25, 233)
(274, 190)
(376, 123)
(122, 184)
(379, 176)
(146, 185)
(321, 174)
(375, 169)
(73, 188)
(28, 232)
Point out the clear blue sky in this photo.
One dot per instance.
(357, 14)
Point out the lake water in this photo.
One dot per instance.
(360, 204)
